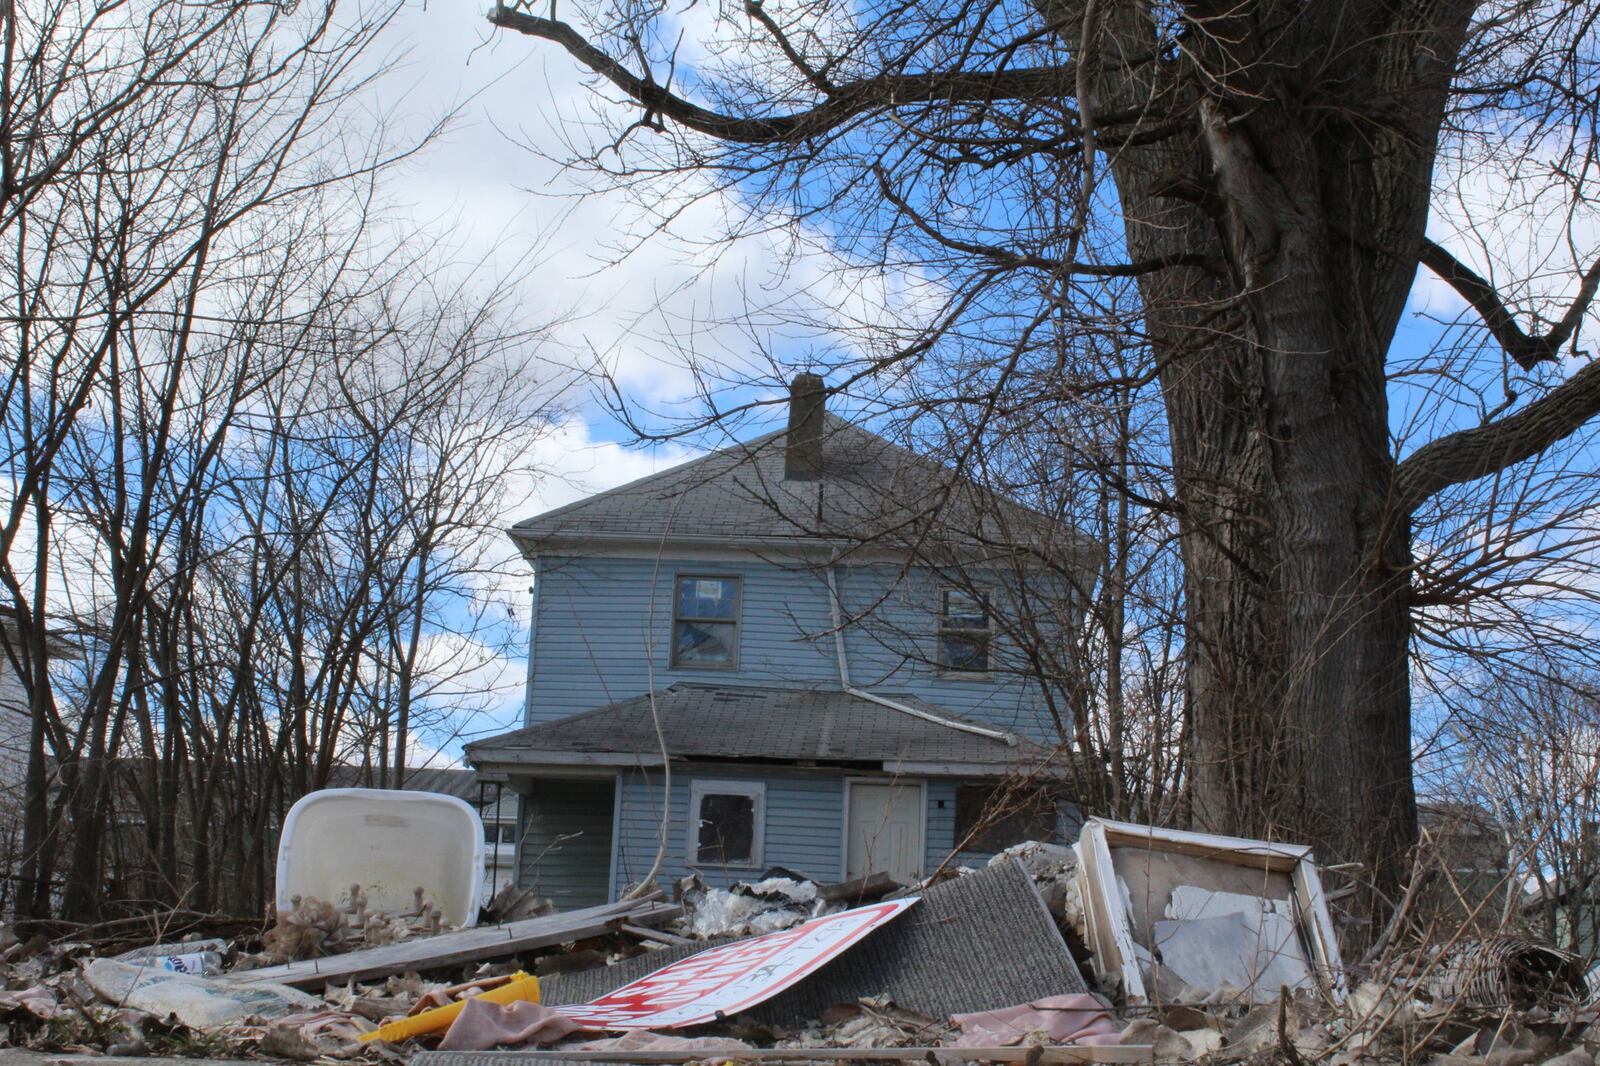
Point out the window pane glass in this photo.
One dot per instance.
(964, 653)
(962, 611)
(707, 597)
(508, 834)
(703, 642)
(989, 819)
(727, 828)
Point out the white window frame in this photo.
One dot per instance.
(737, 621)
(988, 632)
(699, 788)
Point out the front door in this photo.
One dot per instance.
(885, 831)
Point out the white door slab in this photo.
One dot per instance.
(885, 829)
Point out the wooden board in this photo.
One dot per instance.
(1065, 1053)
(460, 946)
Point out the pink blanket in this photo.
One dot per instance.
(482, 1025)
(1076, 1018)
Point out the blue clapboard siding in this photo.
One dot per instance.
(601, 625)
(804, 827)
(565, 851)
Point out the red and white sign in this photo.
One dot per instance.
(733, 977)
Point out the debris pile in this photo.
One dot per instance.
(1137, 944)
(312, 928)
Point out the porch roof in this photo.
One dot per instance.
(702, 721)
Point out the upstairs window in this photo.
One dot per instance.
(705, 623)
(726, 819)
(965, 632)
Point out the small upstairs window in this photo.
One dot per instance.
(965, 631)
(705, 623)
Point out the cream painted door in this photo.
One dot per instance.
(885, 830)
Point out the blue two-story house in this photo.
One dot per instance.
(793, 652)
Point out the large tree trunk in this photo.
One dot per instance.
(1272, 362)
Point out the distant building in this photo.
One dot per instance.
(16, 721)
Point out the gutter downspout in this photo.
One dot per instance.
(844, 677)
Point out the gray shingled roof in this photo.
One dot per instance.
(869, 489)
(739, 722)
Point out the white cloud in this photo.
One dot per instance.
(1513, 220)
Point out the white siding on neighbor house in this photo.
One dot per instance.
(596, 626)
(14, 730)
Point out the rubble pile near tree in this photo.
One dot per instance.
(1134, 945)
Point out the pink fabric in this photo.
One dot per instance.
(1076, 1018)
(37, 1001)
(645, 1040)
(482, 1025)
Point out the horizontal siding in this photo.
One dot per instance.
(565, 852)
(599, 637)
(804, 827)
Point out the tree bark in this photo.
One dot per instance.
(1273, 372)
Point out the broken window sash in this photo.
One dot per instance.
(991, 818)
(965, 631)
(705, 622)
(726, 820)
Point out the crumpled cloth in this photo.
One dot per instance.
(645, 1040)
(482, 1025)
(37, 1001)
(1075, 1018)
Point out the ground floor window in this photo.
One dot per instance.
(991, 818)
(726, 819)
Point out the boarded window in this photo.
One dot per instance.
(725, 825)
(996, 818)
(705, 622)
(965, 631)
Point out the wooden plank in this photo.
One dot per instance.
(460, 946)
(1279, 858)
(656, 935)
(1064, 1053)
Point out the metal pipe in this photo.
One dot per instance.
(837, 614)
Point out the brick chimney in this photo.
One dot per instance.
(802, 458)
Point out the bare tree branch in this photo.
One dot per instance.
(845, 102)
(1527, 350)
(1483, 450)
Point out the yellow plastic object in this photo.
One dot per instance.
(521, 986)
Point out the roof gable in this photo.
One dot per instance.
(869, 491)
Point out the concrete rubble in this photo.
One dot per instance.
(1135, 945)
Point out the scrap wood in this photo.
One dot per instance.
(459, 946)
(861, 890)
(1066, 1053)
(657, 935)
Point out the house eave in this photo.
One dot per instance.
(499, 761)
(1084, 556)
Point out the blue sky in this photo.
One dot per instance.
(494, 183)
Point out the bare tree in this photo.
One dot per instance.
(1262, 172)
(252, 439)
